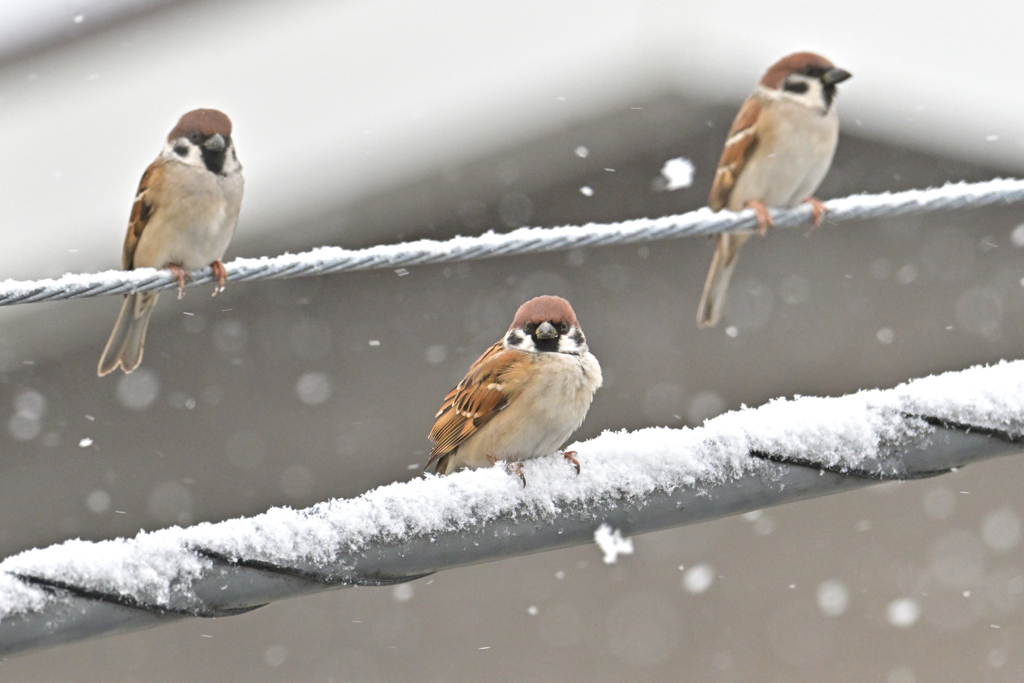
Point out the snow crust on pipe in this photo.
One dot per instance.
(18, 597)
(158, 568)
(522, 241)
(987, 397)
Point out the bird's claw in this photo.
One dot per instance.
(181, 274)
(818, 211)
(764, 218)
(220, 274)
(510, 467)
(569, 455)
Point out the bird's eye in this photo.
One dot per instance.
(798, 87)
(529, 328)
(195, 137)
(181, 150)
(563, 328)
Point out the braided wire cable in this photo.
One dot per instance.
(328, 260)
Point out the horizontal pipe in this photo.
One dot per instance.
(230, 586)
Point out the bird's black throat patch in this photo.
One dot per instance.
(828, 93)
(214, 161)
(549, 345)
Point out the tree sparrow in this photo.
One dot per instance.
(523, 397)
(778, 151)
(184, 215)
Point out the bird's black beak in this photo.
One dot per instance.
(216, 143)
(546, 331)
(835, 75)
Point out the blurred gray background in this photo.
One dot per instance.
(367, 122)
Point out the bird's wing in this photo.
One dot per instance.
(142, 211)
(484, 392)
(739, 147)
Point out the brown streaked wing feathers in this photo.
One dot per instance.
(142, 211)
(478, 398)
(735, 155)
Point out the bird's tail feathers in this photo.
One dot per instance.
(124, 348)
(722, 265)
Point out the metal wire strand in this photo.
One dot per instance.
(328, 260)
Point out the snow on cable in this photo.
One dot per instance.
(327, 260)
(746, 458)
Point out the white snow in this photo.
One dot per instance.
(1017, 236)
(833, 597)
(17, 597)
(698, 579)
(403, 592)
(616, 466)
(903, 612)
(313, 388)
(1001, 530)
(138, 390)
(98, 501)
(678, 173)
(990, 397)
(612, 544)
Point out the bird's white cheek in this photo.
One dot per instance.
(523, 343)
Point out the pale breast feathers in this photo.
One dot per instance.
(739, 147)
(488, 387)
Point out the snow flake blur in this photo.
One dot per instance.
(677, 173)
(612, 544)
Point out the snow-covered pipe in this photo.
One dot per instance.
(636, 482)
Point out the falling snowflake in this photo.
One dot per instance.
(678, 173)
(612, 544)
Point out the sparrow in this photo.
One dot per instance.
(523, 397)
(184, 215)
(777, 153)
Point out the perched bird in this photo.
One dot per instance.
(523, 397)
(778, 151)
(183, 218)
